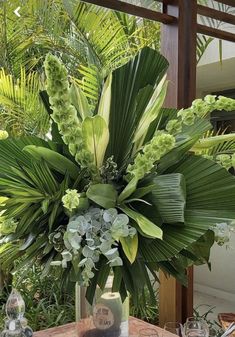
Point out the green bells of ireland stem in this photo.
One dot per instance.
(151, 153)
(64, 113)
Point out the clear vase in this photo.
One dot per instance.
(108, 315)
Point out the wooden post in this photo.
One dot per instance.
(178, 45)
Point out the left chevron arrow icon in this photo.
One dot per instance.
(16, 11)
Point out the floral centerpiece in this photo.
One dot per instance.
(117, 188)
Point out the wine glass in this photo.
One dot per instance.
(174, 327)
(196, 328)
(148, 333)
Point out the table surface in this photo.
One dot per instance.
(71, 330)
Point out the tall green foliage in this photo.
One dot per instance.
(140, 207)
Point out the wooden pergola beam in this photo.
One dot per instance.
(227, 2)
(216, 33)
(134, 10)
(178, 45)
(216, 14)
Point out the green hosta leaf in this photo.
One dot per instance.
(80, 102)
(54, 159)
(104, 195)
(95, 134)
(130, 247)
(146, 226)
(128, 190)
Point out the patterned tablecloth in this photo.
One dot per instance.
(71, 330)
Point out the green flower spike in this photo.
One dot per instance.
(64, 113)
(152, 152)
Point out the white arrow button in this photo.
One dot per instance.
(16, 11)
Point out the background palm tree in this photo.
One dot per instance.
(82, 35)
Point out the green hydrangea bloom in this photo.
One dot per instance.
(187, 116)
(7, 225)
(174, 126)
(225, 103)
(224, 160)
(207, 156)
(210, 99)
(71, 199)
(3, 134)
(152, 152)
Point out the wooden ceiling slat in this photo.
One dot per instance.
(215, 14)
(134, 10)
(227, 2)
(217, 33)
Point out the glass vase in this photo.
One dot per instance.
(108, 316)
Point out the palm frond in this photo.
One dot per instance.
(21, 109)
(204, 181)
(134, 98)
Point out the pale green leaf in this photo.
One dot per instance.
(80, 102)
(128, 190)
(95, 134)
(104, 195)
(105, 100)
(54, 159)
(152, 110)
(146, 226)
(130, 247)
(206, 143)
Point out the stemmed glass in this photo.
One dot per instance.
(196, 328)
(174, 327)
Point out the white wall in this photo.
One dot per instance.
(220, 281)
(216, 77)
(212, 53)
(212, 76)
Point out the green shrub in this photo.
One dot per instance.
(47, 305)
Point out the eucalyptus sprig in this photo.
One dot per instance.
(91, 234)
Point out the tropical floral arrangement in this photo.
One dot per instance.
(117, 188)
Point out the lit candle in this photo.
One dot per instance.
(107, 313)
